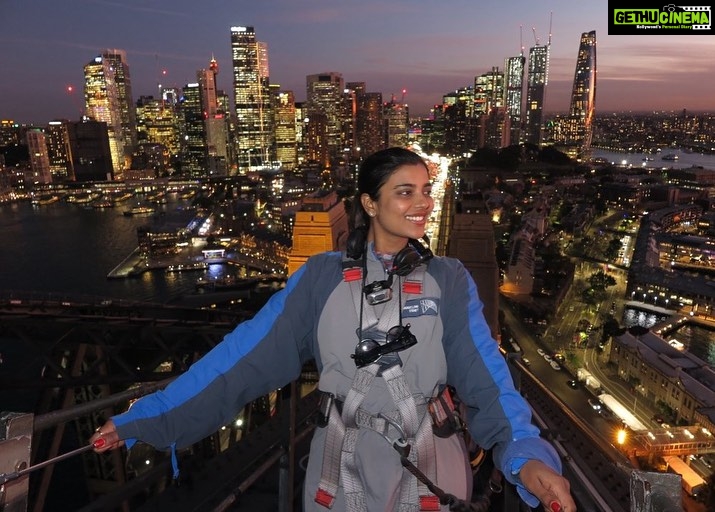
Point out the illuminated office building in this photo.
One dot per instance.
(488, 91)
(513, 96)
(195, 146)
(214, 120)
(369, 136)
(58, 151)
(9, 132)
(325, 98)
(251, 97)
(101, 96)
(537, 79)
(397, 117)
(39, 162)
(284, 121)
(127, 112)
(579, 128)
(157, 123)
(488, 108)
(458, 121)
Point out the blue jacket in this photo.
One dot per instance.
(314, 317)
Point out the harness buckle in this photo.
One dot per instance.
(400, 444)
(324, 406)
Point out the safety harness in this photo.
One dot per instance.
(408, 428)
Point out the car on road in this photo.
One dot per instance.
(558, 356)
(595, 404)
(573, 384)
(526, 361)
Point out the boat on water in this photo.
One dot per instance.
(118, 197)
(669, 157)
(157, 197)
(139, 210)
(103, 204)
(648, 159)
(81, 198)
(45, 199)
(183, 267)
(187, 194)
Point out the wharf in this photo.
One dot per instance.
(133, 265)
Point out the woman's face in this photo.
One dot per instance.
(402, 210)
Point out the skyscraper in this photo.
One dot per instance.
(325, 97)
(489, 108)
(101, 97)
(58, 151)
(285, 129)
(195, 146)
(39, 161)
(579, 127)
(488, 91)
(127, 112)
(369, 135)
(397, 118)
(513, 96)
(91, 150)
(214, 119)
(538, 77)
(251, 94)
(157, 122)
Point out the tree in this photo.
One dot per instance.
(612, 249)
(599, 281)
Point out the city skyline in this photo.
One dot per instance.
(426, 49)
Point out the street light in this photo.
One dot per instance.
(621, 436)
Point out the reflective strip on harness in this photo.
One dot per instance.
(352, 274)
(324, 498)
(412, 287)
(429, 503)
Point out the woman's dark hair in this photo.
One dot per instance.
(372, 175)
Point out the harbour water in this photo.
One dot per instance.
(699, 341)
(62, 248)
(683, 161)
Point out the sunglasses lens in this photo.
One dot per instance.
(366, 352)
(394, 333)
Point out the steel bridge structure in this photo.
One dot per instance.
(83, 360)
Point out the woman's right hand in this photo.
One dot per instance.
(106, 438)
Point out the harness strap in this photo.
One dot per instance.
(339, 464)
(330, 474)
(352, 485)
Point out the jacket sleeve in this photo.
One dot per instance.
(498, 416)
(257, 357)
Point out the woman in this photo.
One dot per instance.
(390, 328)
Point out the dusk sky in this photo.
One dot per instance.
(428, 47)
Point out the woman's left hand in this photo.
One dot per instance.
(552, 489)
